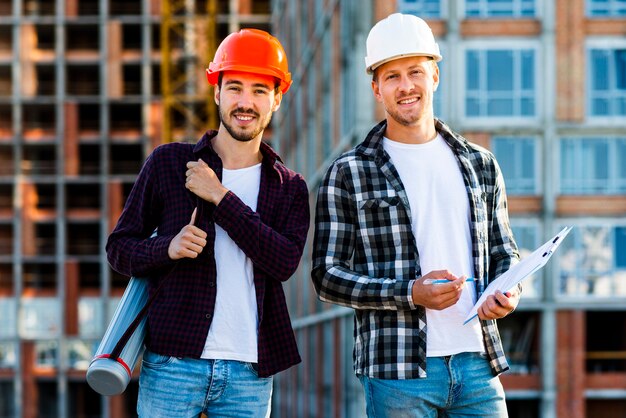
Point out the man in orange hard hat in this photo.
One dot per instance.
(411, 226)
(231, 225)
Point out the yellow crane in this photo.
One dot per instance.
(188, 42)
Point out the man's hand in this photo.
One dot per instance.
(438, 296)
(202, 181)
(499, 305)
(189, 242)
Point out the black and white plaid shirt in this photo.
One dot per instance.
(365, 255)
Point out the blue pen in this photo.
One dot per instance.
(443, 281)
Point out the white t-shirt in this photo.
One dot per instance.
(440, 219)
(233, 332)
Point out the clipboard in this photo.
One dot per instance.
(529, 265)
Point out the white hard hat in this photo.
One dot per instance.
(398, 36)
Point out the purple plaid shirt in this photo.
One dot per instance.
(273, 237)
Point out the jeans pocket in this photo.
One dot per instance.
(254, 369)
(154, 360)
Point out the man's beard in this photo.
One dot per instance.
(406, 119)
(240, 134)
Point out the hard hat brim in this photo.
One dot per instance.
(371, 68)
(212, 74)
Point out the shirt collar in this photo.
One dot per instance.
(373, 143)
(270, 157)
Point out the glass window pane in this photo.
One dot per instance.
(608, 82)
(86, 403)
(7, 356)
(39, 317)
(505, 154)
(528, 107)
(7, 313)
(620, 247)
(621, 159)
(421, 8)
(499, 8)
(586, 262)
(516, 157)
(473, 70)
(595, 154)
(620, 105)
(526, 238)
(620, 68)
(593, 165)
(600, 107)
(48, 399)
(90, 317)
(438, 101)
(472, 107)
(46, 354)
(500, 107)
(500, 70)
(528, 158)
(604, 8)
(568, 256)
(528, 69)
(7, 394)
(568, 165)
(80, 353)
(501, 81)
(600, 70)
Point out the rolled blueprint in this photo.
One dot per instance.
(109, 376)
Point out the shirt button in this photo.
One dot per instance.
(208, 316)
(211, 284)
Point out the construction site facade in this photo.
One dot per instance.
(88, 88)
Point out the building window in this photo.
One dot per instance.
(593, 166)
(607, 92)
(7, 387)
(500, 83)
(606, 8)
(526, 233)
(500, 8)
(518, 159)
(39, 317)
(8, 358)
(439, 101)
(46, 354)
(421, 8)
(592, 261)
(80, 353)
(7, 313)
(90, 317)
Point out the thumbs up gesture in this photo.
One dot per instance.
(189, 242)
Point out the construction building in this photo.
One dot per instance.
(89, 87)
(542, 83)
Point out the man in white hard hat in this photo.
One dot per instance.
(411, 226)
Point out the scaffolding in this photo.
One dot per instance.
(188, 41)
(82, 103)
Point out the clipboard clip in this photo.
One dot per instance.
(555, 241)
(552, 248)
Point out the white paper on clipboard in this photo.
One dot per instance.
(521, 270)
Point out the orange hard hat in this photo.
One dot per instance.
(251, 51)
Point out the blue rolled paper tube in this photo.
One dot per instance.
(109, 376)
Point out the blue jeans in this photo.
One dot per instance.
(457, 386)
(184, 388)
